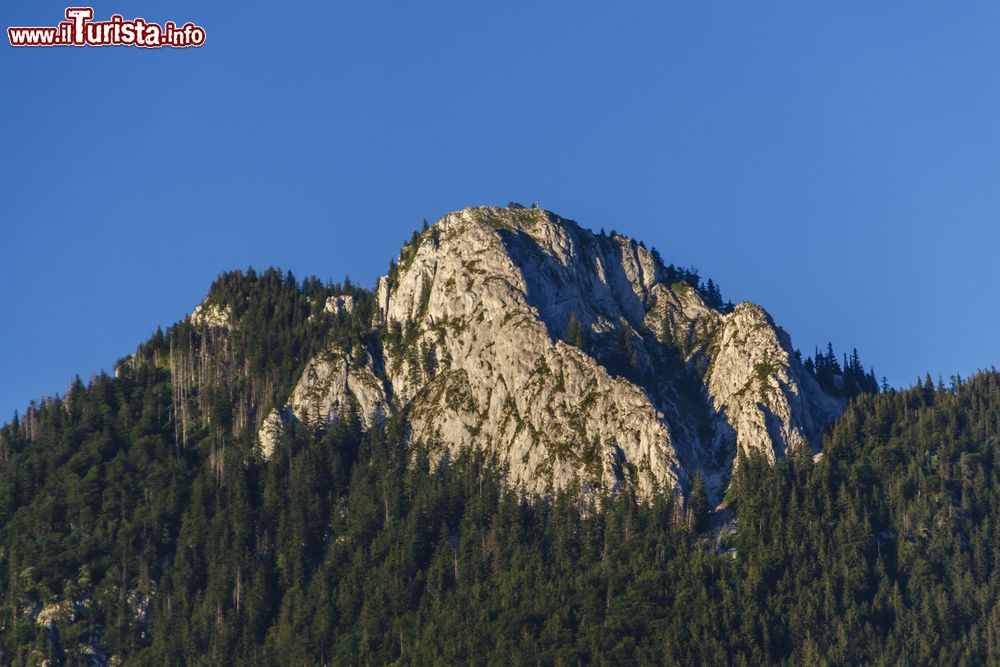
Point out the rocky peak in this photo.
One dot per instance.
(574, 358)
(551, 263)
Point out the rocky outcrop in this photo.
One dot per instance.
(575, 357)
(211, 315)
(759, 390)
(270, 431)
(336, 382)
(53, 613)
(338, 305)
(333, 385)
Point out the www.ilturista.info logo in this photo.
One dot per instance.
(80, 30)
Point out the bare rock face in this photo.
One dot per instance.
(333, 385)
(54, 612)
(336, 382)
(211, 315)
(483, 298)
(760, 391)
(575, 357)
(337, 305)
(269, 433)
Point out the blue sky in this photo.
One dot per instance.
(837, 163)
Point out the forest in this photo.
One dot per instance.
(138, 521)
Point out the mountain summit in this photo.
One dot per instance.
(575, 357)
(507, 453)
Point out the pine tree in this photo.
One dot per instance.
(698, 504)
(574, 332)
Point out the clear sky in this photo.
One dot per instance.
(837, 163)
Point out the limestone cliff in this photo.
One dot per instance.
(574, 356)
(332, 384)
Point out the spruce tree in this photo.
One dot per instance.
(574, 332)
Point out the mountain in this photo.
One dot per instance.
(506, 453)
(651, 387)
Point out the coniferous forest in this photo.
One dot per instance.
(138, 521)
